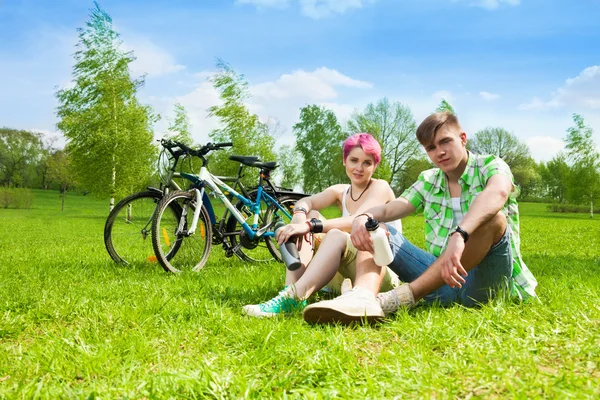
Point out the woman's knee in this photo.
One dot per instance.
(335, 236)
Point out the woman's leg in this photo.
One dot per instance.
(323, 265)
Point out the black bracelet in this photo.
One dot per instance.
(462, 232)
(365, 214)
(316, 225)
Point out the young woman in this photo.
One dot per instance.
(331, 251)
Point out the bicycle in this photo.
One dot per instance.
(195, 230)
(127, 227)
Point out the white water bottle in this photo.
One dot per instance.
(383, 252)
(288, 250)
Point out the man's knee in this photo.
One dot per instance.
(495, 227)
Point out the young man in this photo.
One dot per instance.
(471, 232)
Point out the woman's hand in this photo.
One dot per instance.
(285, 233)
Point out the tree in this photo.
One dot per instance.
(109, 136)
(445, 106)
(585, 163)
(180, 126)
(528, 178)
(238, 124)
(20, 151)
(556, 176)
(319, 139)
(290, 167)
(501, 143)
(411, 172)
(393, 125)
(59, 169)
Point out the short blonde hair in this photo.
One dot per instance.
(431, 125)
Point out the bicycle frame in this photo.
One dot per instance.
(205, 178)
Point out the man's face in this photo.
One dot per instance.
(447, 149)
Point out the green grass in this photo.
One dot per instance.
(73, 324)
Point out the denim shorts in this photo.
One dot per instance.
(492, 274)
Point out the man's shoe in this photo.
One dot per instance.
(280, 304)
(356, 305)
(401, 296)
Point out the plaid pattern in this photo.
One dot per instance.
(430, 195)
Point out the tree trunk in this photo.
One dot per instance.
(591, 208)
(62, 207)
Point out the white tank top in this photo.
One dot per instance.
(396, 224)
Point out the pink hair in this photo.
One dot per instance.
(368, 143)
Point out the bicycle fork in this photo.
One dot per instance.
(182, 221)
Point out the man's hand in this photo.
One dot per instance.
(361, 239)
(451, 269)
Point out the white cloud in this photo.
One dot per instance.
(151, 59)
(543, 148)
(489, 96)
(312, 8)
(490, 4)
(443, 95)
(324, 8)
(580, 92)
(342, 111)
(317, 85)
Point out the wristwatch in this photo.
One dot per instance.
(462, 232)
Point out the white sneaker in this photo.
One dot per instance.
(401, 296)
(356, 305)
(346, 285)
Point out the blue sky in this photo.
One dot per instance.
(525, 65)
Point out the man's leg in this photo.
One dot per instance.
(480, 243)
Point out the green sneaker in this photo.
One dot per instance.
(280, 304)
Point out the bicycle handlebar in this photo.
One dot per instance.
(202, 151)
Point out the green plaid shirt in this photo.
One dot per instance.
(430, 194)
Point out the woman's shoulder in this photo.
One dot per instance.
(380, 184)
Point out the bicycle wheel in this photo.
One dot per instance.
(128, 227)
(169, 230)
(263, 249)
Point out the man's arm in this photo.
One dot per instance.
(391, 211)
(487, 204)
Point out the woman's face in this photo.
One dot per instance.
(359, 166)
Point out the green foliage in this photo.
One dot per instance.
(445, 106)
(15, 197)
(238, 124)
(20, 153)
(393, 125)
(556, 176)
(73, 323)
(180, 126)
(108, 131)
(584, 184)
(413, 168)
(570, 208)
(290, 167)
(501, 143)
(319, 139)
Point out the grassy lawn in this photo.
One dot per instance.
(74, 324)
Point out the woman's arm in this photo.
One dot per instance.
(378, 194)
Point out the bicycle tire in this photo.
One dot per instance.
(193, 250)
(265, 249)
(128, 226)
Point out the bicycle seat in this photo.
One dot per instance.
(266, 165)
(246, 160)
